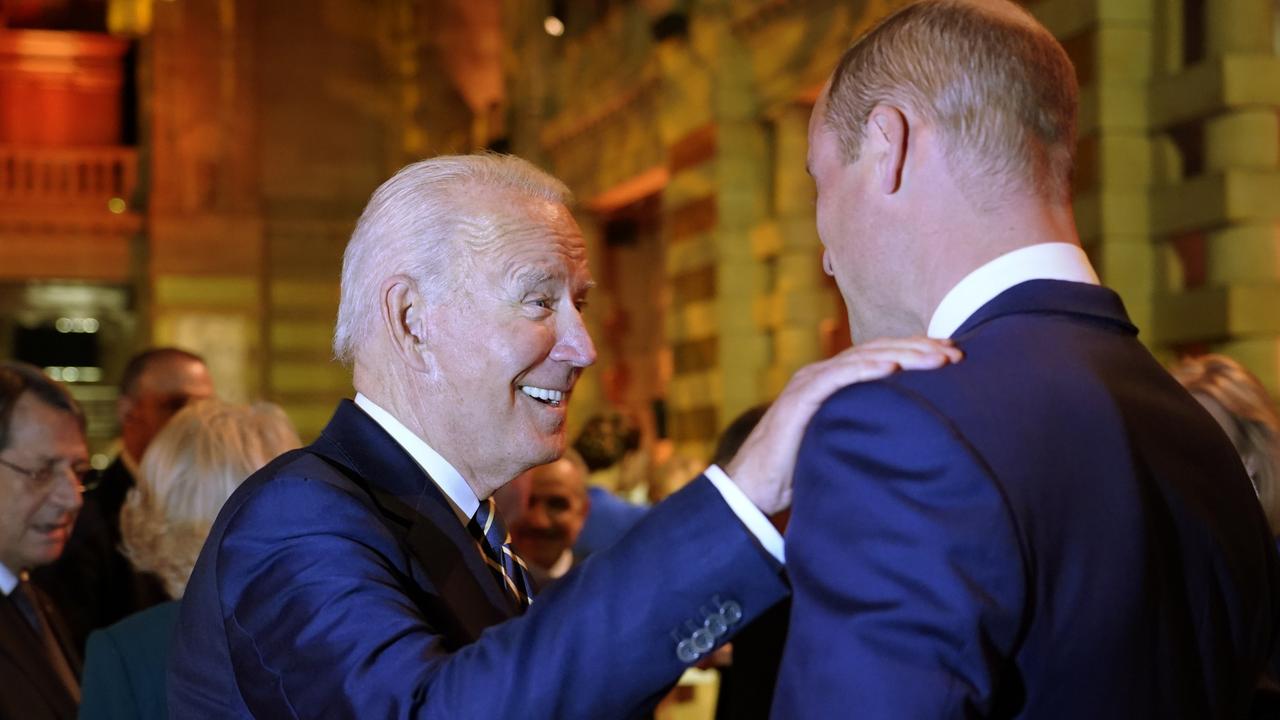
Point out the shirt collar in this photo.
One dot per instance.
(562, 564)
(8, 581)
(130, 462)
(460, 495)
(1044, 261)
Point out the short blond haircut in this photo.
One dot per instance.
(1242, 395)
(995, 83)
(189, 470)
(413, 225)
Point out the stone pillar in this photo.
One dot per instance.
(1111, 45)
(1215, 113)
(797, 300)
(204, 251)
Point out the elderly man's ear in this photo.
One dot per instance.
(407, 321)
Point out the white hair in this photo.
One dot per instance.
(412, 224)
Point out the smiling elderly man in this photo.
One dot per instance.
(43, 462)
(368, 576)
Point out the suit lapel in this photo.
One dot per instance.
(411, 502)
(22, 646)
(61, 634)
(1059, 297)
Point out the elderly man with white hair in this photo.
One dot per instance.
(367, 575)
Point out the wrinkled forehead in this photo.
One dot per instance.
(520, 235)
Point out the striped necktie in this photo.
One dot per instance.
(495, 544)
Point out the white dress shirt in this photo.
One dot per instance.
(446, 477)
(464, 500)
(561, 566)
(1045, 261)
(8, 581)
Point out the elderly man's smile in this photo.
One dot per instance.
(546, 396)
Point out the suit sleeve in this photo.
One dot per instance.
(105, 689)
(320, 624)
(906, 569)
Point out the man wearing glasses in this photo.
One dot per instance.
(43, 462)
(93, 583)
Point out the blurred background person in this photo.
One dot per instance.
(43, 462)
(1240, 404)
(187, 473)
(604, 445)
(555, 509)
(93, 583)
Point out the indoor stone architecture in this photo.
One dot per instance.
(701, 107)
(187, 172)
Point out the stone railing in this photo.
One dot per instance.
(98, 177)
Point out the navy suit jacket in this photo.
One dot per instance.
(1050, 528)
(338, 582)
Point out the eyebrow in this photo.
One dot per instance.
(532, 275)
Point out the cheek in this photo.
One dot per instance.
(14, 515)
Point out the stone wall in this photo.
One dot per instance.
(1175, 192)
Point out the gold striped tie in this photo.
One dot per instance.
(495, 546)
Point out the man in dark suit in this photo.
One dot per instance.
(43, 462)
(367, 575)
(93, 583)
(1052, 528)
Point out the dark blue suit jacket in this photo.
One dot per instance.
(608, 520)
(338, 582)
(124, 667)
(1050, 528)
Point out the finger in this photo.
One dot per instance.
(910, 358)
(909, 348)
(864, 369)
(928, 345)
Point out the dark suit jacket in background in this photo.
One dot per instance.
(124, 667)
(1050, 528)
(93, 583)
(29, 686)
(338, 582)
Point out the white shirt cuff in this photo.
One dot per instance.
(747, 512)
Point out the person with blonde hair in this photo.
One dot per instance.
(1241, 405)
(187, 473)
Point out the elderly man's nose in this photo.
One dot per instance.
(67, 491)
(574, 343)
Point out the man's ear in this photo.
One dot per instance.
(124, 408)
(405, 319)
(888, 134)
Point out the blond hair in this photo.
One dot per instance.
(189, 470)
(413, 223)
(995, 83)
(1242, 395)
